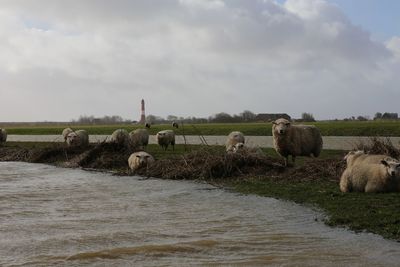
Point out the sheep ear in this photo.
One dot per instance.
(274, 123)
(384, 162)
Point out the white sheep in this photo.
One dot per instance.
(140, 159)
(78, 138)
(3, 136)
(355, 157)
(295, 140)
(65, 133)
(364, 176)
(139, 138)
(234, 138)
(165, 138)
(120, 137)
(235, 148)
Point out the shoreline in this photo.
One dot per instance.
(314, 182)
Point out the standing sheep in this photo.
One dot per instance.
(296, 140)
(140, 159)
(78, 139)
(120, 137)
(65, 133)
(3, 136)
(139, 138)
(369, 177)
(233, 139)
(175, 124)
(165, 138)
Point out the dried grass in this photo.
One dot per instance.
(377, 145)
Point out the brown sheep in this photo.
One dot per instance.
(296, 140)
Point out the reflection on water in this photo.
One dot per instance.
(52, 216)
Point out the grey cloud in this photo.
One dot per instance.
(189, 58)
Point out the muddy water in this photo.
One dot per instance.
(61, 217)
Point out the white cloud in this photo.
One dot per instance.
(61, 59)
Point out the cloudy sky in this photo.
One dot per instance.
(333, 58)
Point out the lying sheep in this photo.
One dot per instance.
(232, 140)
(65, 133)
(140, 159)
(78, 139)
(3, 136)
(165, 138)
(235, 148)
(120, 137)
(364, 176)
(355, 157)
(295, 140)
(139, 138)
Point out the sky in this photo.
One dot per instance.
(332, 58)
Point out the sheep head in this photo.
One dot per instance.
(281, 126)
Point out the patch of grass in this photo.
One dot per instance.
(330, 128)
(376, 213)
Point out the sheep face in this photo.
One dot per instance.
(142, 160)
(281, 126)
(392, 167)
(237, 147)
(72, 138)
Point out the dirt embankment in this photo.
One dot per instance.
(204, 163)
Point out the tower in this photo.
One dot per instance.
(142, 113)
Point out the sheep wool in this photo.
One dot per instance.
(166, 138)
(296, 140)
(364, 176)
(140, 159)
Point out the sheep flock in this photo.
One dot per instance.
(363, 172)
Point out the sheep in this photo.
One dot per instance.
(140, 159)
(147, 125)
(175, 124)
(235, 148)
(120, 137)
(233, 138)
(355, 157)
(78, 139)
(65, 133)
(364, 176)
(165, 138)
(139, 138)
(3, 136)
(295, 140)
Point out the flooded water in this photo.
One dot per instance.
(61, 217)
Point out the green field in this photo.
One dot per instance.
(331, 128)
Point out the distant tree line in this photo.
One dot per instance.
(222, 117)
(84, 119)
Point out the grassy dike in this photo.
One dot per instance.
(375, 213)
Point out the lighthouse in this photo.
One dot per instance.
(142, 113)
